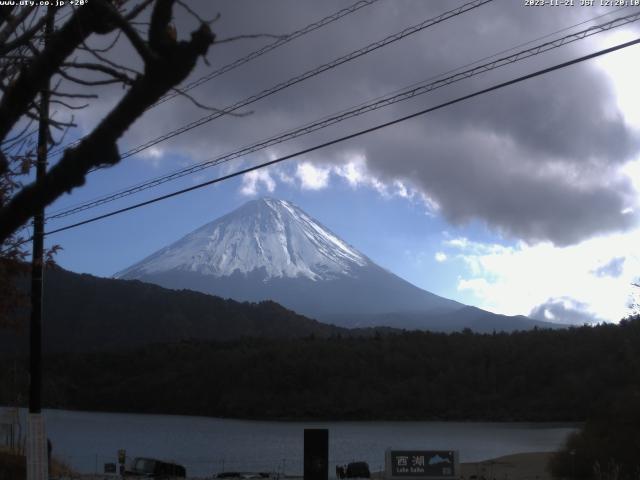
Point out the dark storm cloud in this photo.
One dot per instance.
(563, 310)
(536, 161)
(563, 116)
(477, 175)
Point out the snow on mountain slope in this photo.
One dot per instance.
(269, 249)
(268, 234)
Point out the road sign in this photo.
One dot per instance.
(422, 464)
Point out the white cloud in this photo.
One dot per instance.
(440, 257)
(312, 177)
(620, 67)
(251, 182)
(523, 278)
(632, 171)
(354, 171)
(286, 178)
(352, 167)
(153, 155)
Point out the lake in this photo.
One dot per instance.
(88, 440)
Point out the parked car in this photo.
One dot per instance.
(244, 475)
(358, 470)
(353, 470)
(152, 468)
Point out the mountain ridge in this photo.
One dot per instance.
(87, 313)
(294, 245)
(271, 249)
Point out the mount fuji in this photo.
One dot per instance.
(269, 249)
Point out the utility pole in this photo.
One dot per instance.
(37, 454)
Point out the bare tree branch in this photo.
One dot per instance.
(137, 10)
(191, 12)
(170, 64)
(89, 83)
(73, 95)
(61, 44)
(97, 67)
(5, 15)
(20, 134)
(69, 106)
(104, 59)
(23, 38)
(206, 107)
(133, 36)
(109, 46)
(12, 23)
(245, 37)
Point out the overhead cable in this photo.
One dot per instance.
(309, 74)
(404, 95)
(353, 135)
(267, 48)
(253, 55)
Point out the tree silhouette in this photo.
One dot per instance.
(167, 62)
(28, 65)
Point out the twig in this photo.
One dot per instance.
(107, 61)
(252, 36)
(137, 10)
(195, 14)
(73, 95)
(138, 43)
(70, 107)
(113, 72)
(211, 109)
(109, 46)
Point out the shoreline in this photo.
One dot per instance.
(309, 420)
(517, 466)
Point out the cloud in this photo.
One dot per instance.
(354, 171)
(440, 257)
(613, 268)
(312, 177)
(153, 155)
(252, 181)
(541, 161)
(564, 310)
(522, 278)
(482, 174)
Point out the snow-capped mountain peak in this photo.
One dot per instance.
(269, 235)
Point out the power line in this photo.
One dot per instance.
(267, 48)
(96, 201)
(354, 135)
(385, 101)
(309, 74)
(253, 55)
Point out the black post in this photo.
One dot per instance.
(35, 354)
(316, 454)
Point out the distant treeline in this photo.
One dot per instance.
(538, 375)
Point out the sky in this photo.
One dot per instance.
(520, 201)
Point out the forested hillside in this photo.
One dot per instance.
(87, 313)
(537, 375)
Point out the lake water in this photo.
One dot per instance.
(88, 440)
